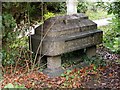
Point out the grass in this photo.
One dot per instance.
(105, 28)
(100, 14)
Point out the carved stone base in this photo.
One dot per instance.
(53, 72)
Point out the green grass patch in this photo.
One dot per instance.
(105, 28)
(99, 14)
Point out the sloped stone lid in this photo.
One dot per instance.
(67, 24)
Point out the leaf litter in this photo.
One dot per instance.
(86, 77)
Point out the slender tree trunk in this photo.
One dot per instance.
(0, 42)
(45, 8)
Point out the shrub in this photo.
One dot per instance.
(82, 7)
(48, 15)
(112, 38)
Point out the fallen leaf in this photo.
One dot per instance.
(110, 74)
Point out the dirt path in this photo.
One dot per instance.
(103, 22)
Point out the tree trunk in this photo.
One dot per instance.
(45, 8)
(0, 43)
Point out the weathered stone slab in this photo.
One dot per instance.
(60, 45)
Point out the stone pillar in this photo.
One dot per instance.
(53, 62)
(53, 66)
(71, 6)
(91, 51)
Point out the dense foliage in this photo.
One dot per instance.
(112, 36)
(14, 22)
(82, 7)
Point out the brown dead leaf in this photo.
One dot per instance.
(110, 74)
(82, 70)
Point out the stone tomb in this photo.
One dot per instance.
(63, 34)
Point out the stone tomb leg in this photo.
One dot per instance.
(91, 51)
(53, 66)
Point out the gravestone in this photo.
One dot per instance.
(62, 34)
